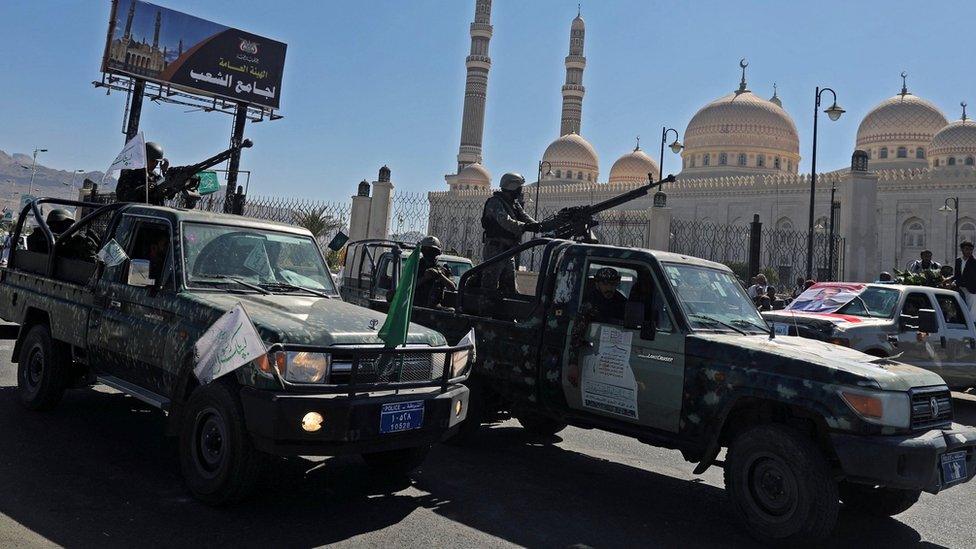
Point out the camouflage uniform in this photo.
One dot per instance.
(504, 221)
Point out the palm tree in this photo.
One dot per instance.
(316, 221)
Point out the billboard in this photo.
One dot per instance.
(169, 47)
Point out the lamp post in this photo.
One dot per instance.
(675, 147)
(538, 183)
(30, 188)
(945, 209)
(833, 112)
(830, 234)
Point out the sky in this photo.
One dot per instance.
(373, 82)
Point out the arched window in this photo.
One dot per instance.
(951, 161)
(969, 161)
(559, 173)
(967, 230)
(789, 165)
(776, 162)
(935, 163)
(913, 234)
(870, 153)
(589, 177)
(706, 159)
(742, 159)
(920, 153)
(883, 153)
(723, 159)
(579, 175)
(784, 224)
(902, 152)
(692, 161)
(761, 160)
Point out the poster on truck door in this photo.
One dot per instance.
(608, 381)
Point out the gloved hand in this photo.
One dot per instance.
(533, 227)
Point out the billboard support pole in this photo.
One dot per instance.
(135, 109)
(240, 118)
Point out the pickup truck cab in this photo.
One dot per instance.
(326, 386)
(883, 320)
(685, 361)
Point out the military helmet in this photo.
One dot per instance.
(512, 181)
(59, 216)
(154, 151)
(430, 242)
(608, 275)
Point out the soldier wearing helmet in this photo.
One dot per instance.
(132, 183)
(432, 279)
(504, 221)
(58, 221)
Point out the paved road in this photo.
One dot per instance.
(98, 472)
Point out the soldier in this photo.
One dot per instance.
(58, 221)
(132, 183)
(504, 221)
(603, 297)
(432, 279)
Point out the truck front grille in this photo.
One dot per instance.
(931, 408)
(377, 368)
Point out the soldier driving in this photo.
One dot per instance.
(504, 221)
(603, 297)
(432, 279)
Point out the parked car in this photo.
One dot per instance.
(885, 320)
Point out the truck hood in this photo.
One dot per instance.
(810, 359)
(823, 322)
(308, 320)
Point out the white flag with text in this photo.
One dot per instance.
(228, 344)
(132, 157)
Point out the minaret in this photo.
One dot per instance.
(155, 45)
(573, 90)
(128, 22)
(476, 86)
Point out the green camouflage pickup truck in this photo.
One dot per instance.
(131, 318)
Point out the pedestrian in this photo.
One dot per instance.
(885, 278)
(771, 294)
(964, 278)
(758, 287)
(799, 288)
(924, 263)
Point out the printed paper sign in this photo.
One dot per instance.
(112, 254)
(258, 261)
(608, 380)
(230, 343)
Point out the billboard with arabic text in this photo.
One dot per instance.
(170, 47)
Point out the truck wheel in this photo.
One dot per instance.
(397, 463)
(219, 463)
(42, 371)
(876, 501)
(539, 425)
(781, 486)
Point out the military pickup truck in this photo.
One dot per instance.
(926, 327)
(683, 360)
(130, 320)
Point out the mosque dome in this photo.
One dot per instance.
(633, 167)
(897, 132)
(473, 175)
(955, 144)
(572, 158)
(741, 134)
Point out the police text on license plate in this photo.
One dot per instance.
(953, 468)
(401, 416)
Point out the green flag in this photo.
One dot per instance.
(394, 330)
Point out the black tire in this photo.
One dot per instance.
(781, 486)
(396, 463)
(219, 462)
(876, 501)
(539, 425)
(42, 371)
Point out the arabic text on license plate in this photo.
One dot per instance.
(953, 467)
(401, 416)
(782, 329)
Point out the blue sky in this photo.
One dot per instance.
(374, 82)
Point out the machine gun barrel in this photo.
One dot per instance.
(627, 196)
(181, 179)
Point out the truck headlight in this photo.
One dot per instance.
(889, 408)
(302, 367)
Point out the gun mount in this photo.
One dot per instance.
(577, 222)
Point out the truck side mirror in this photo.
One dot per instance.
(927, 321)
(633, 315)
(139, 273)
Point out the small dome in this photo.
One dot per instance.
(634, 167)
(955, 144)
(474, 174)
(573, 154)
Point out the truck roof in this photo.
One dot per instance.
(899, 287)
(671, 257)
(201, 216)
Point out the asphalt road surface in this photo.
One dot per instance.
(98, 471)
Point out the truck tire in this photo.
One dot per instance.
(396, 463)
(42, 371)
(876, 501)
(539, 425)
(781, 486)
(219, 462)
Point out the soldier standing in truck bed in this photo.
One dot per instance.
(504, 221)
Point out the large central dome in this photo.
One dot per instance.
(572, 157)
(897, 132)
(741, 133)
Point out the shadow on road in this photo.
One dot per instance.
(98, 471)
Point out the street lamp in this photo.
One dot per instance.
(675, 148)
(30, 188)
(538, 183)
(71, 183)
(833, 112)
(945, 209)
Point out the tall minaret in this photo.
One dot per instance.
(573, 89)
(155, 45)
(476, 86)
(128, 22)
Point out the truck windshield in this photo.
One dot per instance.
(713, 299)
(225, 254)
(848, 299)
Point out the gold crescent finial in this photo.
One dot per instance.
(742, 83)
(904, 83)
(963, 105)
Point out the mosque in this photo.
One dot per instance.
(740, 158)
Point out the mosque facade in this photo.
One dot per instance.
(741, 158)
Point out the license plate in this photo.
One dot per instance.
(401, 416)
(953, 468)
(781, 329)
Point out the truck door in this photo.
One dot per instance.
(616, 368)
(959, 368)
(924, 352)
(131, 324)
